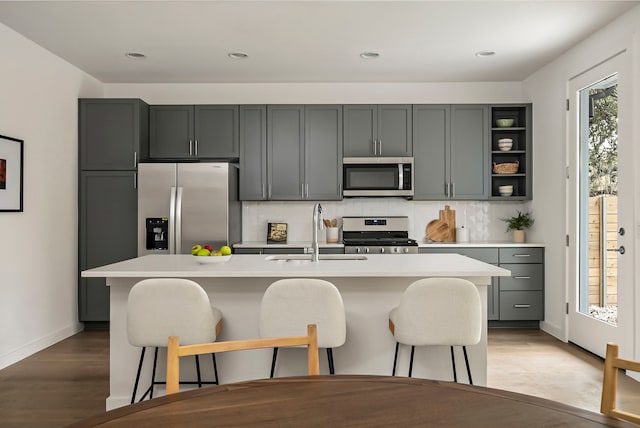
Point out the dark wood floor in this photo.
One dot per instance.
(70, 380)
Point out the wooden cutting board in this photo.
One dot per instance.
(443, 229)
(438, 231)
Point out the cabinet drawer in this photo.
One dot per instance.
(487, 255)
(521, 305)
(521, 255)
(523, 277)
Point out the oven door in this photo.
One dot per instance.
(378, 177)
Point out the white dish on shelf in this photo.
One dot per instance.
(506, 190)
(506, 193)
(209, 260)
(505, 144)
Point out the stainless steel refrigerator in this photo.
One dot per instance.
(183, 204)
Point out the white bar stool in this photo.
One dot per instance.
(289, 305)
(161, 307)
(438, 311)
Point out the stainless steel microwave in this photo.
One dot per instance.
(377, 176)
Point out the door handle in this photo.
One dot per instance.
(521, 306)
(195, 145)
(620, 249)
(521, 277)
(380, 147)
(375, 148)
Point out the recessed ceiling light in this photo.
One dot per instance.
(370, 55)
(485, 53)
(135, 55)
(238, 55)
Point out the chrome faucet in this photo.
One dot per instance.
(318, 224)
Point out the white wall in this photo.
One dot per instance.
(38, 251)
(547, 89)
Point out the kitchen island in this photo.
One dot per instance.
(370, 288)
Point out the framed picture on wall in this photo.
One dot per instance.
(11, 163)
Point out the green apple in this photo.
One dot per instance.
(195, 249)
(203, 252)
(216, 253)
(225, 250)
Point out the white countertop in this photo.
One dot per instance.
(244, 266)
(476, 244)
(425, 244)
(292, 244)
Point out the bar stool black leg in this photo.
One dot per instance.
(330, 359)
(215, 369)
(413, 349)
(453, 363)
(273, 362)
(395, 359)
(198, 372)
(466, 360)
(153, 375)
(135, 385)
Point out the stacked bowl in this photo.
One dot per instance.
(505, 190)
(505, 144)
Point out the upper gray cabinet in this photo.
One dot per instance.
(377, 130)
(290, 152)
(323, 152)
(511, 146)
(113, 133)
(194, 132)
(451, 151)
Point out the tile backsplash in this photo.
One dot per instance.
(482, 218)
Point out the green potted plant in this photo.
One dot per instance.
(518, 224)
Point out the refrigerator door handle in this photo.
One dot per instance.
(172, 221)
(178, 222)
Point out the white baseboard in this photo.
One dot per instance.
(553, 330)
(34, 346)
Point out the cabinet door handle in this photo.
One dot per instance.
(521, 306)
(453, 189)
(135, 180)
(306, 189)
(522, 255)
(380, 146)
(190, 147)
(521, 277)
(375, 148)
(195, 145)
(135, 159)
(264, 191)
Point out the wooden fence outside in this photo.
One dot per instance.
(598, 278)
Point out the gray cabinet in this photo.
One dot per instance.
(291, 152)
(518, 154)
(285, 152)
(194, 132)
(451, 151)
(522, 294)
(519, 297)
(113, 133)
(107, 233)
(253, 153)
(377, 130)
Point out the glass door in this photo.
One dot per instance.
(601, 272)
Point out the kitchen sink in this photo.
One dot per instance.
(307, 257)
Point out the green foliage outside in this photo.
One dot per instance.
(603, 142)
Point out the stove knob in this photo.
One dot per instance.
(357, 249)
(381, 250)
(406, 250)
(366, 250)
(396, 249)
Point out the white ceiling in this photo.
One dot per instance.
(308, 41)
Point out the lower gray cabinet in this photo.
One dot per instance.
(107, 234)
(519, 297)
(522, 294)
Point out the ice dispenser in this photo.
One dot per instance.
(157, 233)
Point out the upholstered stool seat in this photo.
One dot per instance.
(438, 311)
(289, 305)
(161, 307)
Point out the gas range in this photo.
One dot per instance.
(377, 235)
